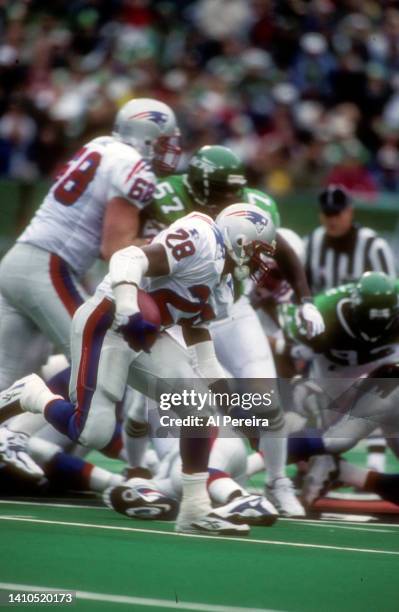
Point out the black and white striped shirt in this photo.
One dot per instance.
(335, 261)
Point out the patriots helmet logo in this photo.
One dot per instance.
(155, 116)
(257, 219)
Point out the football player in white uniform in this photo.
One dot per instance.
(227, 476)
(182, 269)
(91, 211)
(215, 178)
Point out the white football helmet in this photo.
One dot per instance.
(150, 127)
(249, 235)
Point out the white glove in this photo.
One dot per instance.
(312, 320)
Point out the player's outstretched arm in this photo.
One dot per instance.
(292, 268)
(294, 272)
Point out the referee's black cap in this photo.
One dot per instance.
(334, 199)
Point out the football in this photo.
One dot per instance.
(148, 308)
(150, 311)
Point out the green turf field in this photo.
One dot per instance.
(113, 563)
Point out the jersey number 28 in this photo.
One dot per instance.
(179, 244)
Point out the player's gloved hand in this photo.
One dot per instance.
(312, 320)
(135, 330)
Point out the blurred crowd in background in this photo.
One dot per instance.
(306, 92)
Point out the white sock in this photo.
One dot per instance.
(273, 446)
(195, 500)
(255, 464)
(352, 474)
(100, 479)
(36, 395)
(222, 488)
(376, 461)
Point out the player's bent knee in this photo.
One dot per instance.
(337, 445)
(98, 434)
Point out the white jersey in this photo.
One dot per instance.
(194, 290)
(69, 223)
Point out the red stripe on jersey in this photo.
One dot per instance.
(136, 168)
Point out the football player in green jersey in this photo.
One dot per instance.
(361, 327)
(214, 179)
(354, 368)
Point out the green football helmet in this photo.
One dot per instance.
(374, 305)
(215, 177)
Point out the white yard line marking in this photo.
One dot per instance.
(138, 601)
(311, 523)
(17, 516)
(203, 537)
(51, 504)
(318, 523)
(350, 527)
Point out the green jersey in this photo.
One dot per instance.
(173, 200)
(340, 343)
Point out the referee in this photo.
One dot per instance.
(339, 251)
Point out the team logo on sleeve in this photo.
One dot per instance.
(221, 247)
(194, 234)
(259, 221)
(154, 116)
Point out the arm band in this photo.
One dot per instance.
(127, 267)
